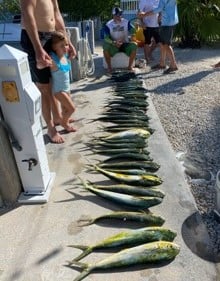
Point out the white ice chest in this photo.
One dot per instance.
(119, 60)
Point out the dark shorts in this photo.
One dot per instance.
(38, 75)
(151, 32)
(166, 34)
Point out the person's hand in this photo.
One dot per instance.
(118, 43)
(72, 51)
(141, 15)
(43, 59)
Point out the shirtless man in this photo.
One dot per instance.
(39, 19)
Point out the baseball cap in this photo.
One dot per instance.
(117, 11)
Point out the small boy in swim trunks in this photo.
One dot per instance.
(60, 77)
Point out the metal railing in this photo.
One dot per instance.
(129, 5)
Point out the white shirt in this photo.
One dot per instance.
(119, 30)
(146, 6)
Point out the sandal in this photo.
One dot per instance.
(170, 70)
(157, 67)
(217, 65)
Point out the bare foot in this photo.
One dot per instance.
(57, 123)
(130, 68)
(69, 128)
(109, 70)
(71, 120)
(54, 136)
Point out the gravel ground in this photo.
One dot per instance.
(187, 103)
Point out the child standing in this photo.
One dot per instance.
(61, 79)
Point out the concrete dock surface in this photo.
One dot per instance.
(34, 239)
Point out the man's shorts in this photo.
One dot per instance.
(166, 34)
(151, 32)
(126, 48)
(41, 76)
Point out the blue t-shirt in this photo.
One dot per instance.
(168, 9)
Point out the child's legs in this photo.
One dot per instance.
(68, 108)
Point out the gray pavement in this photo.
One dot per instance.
(34, 238)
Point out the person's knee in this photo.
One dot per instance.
(133, 45)
(106, 53)
(110, 51)
(107, 48)
(132, 49)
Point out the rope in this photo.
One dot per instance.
(85, 58)
(86, 62)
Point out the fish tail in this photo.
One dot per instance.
(82, 275)
(82, 265)
(81, 247)
(83, 182)
(89, 167)
(86, 251)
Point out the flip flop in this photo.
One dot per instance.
(217, 65)
(157, 67)
(170, 70)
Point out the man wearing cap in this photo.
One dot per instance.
(116, 39)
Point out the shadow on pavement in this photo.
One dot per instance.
(196, 237)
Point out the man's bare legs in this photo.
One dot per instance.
(163, 53)
(56, 110)
(108, 60)
(148, 50)
(171, 56)
(47, 101)
(131, 60)
(162, 61)
(166, 51)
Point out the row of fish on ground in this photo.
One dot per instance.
(133, 182)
